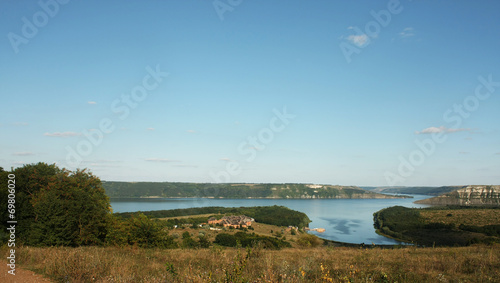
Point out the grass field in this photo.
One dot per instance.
(476, 217)
(111, 264)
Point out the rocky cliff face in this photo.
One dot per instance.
(469, 195)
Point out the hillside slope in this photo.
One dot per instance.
(469, 195)
(430, 191)
(198, 190)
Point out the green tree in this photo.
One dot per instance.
(73, 210)
(58, 207)
(30, 179)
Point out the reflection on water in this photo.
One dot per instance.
(343, 226)
(345, 220)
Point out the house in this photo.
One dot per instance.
(240, 221)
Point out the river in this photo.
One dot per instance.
(345, 220)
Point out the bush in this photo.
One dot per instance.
(225, 239)
(308, 240)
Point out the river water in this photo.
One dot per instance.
(345, 220)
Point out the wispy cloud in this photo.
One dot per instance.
(185, 166)
(442, 129)
(225, 159)
(191, 131)
(463, 152)
(161, 160)
(101, 161)
(103, 165)
(62, 134)
(21, 124)
(26, 153)
(407, 32)
(359, 40)
(92, 102)
(498, 153)
(150, 129)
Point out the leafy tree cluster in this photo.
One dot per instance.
(56, 207)
(249, 240)
(139, 230)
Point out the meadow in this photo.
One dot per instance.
(479, 263)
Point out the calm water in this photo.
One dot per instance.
(345, 220)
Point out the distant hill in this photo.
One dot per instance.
(431, 191)
(235, 191)
(469, 195)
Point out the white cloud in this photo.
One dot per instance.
(150, 129)
(407, 32)
(442, 129)
(92, 102)
(161, 160)
(359, 40)
(23, 153)
(62, 134)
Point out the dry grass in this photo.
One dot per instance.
(476, 217)
(98, 264)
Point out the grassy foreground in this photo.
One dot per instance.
(111, 264)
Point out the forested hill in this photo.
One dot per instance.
(178, 190)
(431, 191)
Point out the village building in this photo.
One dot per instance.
(240, 221)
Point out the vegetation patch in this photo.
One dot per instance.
(219, 264)
(273, 215)
(234, 191)
(442, 226)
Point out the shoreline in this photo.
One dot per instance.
(160, 197)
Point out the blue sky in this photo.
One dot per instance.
(333, 92)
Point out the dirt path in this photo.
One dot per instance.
(22, 275)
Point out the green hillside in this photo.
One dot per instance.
(236, 191)
(431, 191)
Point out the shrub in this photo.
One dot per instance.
(308, 240)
